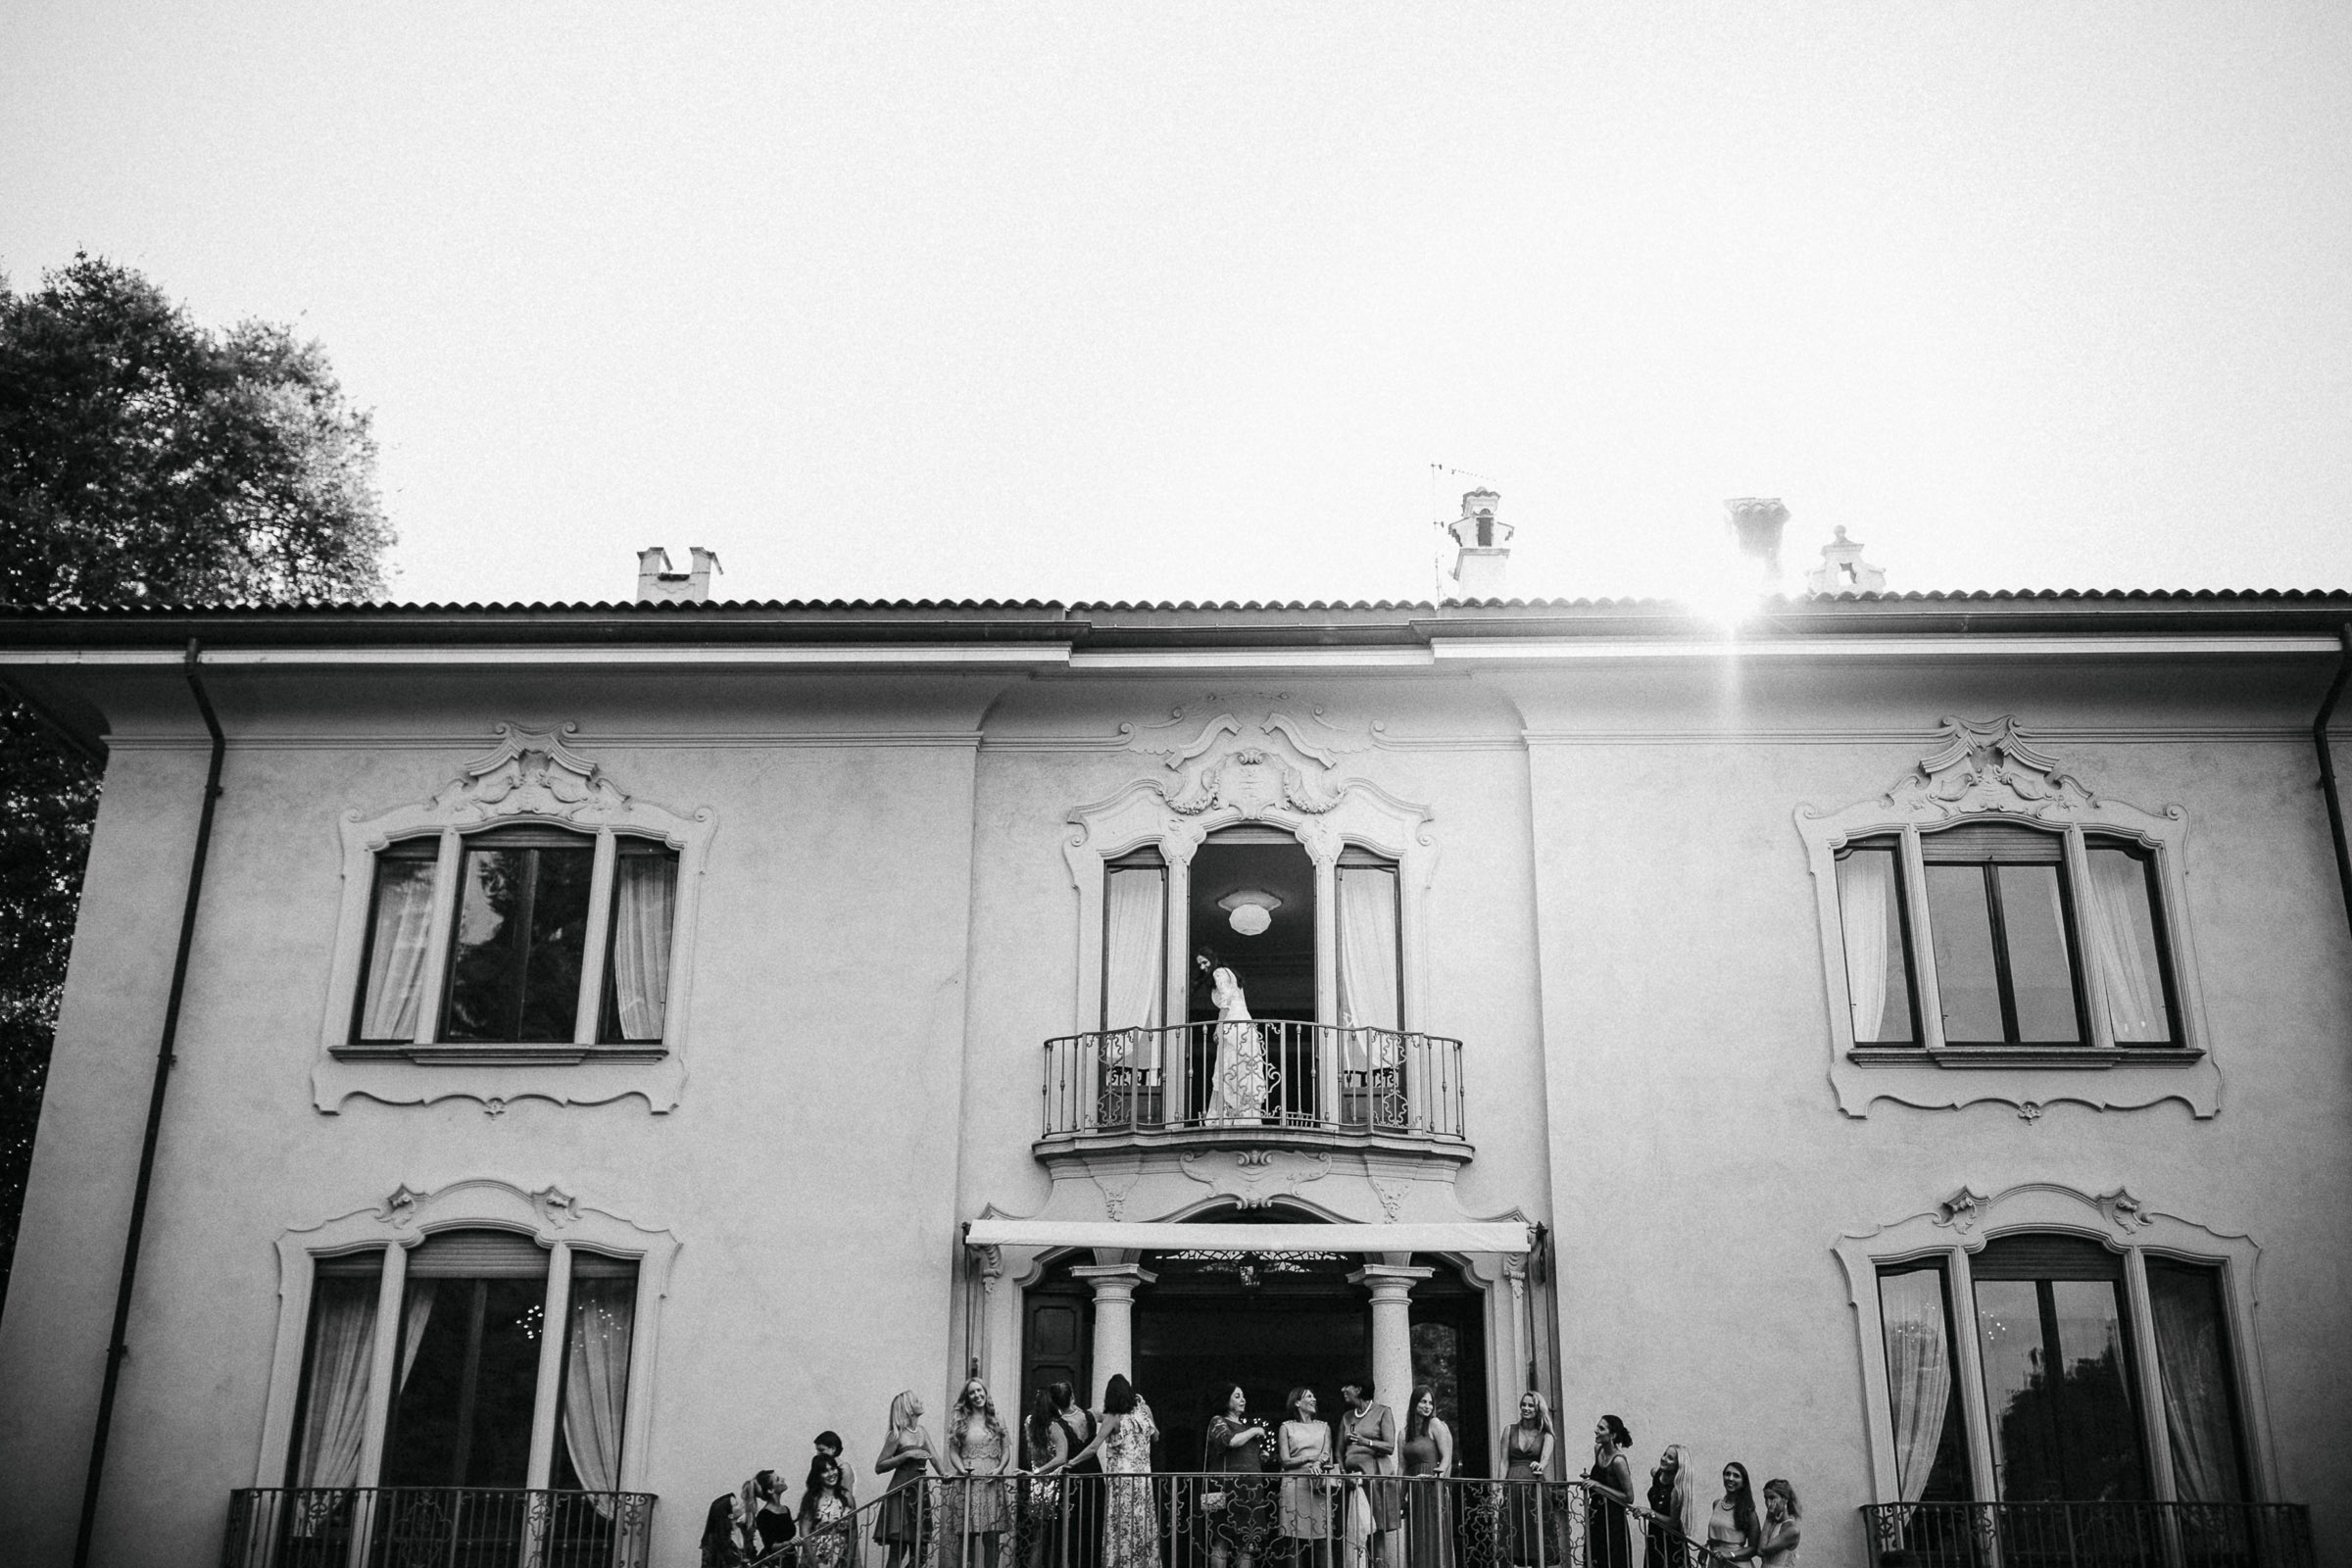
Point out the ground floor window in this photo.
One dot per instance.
(466, 1353)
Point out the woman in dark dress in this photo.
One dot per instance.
(902, 1525)
(1235, 1514)
(1529, 1521)
(1428, 1456)
(1608, 1493)
(1668, 1545)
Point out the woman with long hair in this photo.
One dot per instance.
(723, 1537)
(1045, 1445)
(1733, 1530)
(979, 1449)
(770, 1520)
(1233, 1512)
(826, 1510)
(1428, 1454)
(1130, 1524)
(1306, 1459)
(1668, 1544)
(1608, 1493)
(1527, 1446)
(906, 1452)
(1777, 1546)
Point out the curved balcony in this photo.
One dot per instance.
(1269, 1082)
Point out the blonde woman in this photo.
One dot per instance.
(1527, 1446)
(979, 1449)
(906, 1452)
(1668, 1516)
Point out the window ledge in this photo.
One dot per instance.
(486, 1054)
(2096, 1058)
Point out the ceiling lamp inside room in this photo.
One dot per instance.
(1249, 910)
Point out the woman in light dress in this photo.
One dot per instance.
(1306, 1459)
(1240, 1081)
(1733, 1530)
(1130, 1524)
(1778, 1548)
(826, 1507)
(979, 1449)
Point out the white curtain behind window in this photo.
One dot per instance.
(403, 916)
(1919, 1372)
(644, 900)
(2124, 945)
(2196, 1394)
(342, 1349)
(1866, 905)
(596, 1381)
(1368, 991)
(1133, 947)
(417, 1313)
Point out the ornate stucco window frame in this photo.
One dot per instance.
(1278, 771)
(1987, 771)
(531, 778)
(1956, 1229)
(553, 1219)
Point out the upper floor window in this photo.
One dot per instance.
(1989, 912)
(2016, 940)
(551, 939)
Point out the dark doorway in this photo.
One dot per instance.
(1056, 1339)
(1449, 1356)
(1276, 967)
(1267, 1321)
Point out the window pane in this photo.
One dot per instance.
(469, 1370)
(637, 977)
(2200, 1395)
(336, 1364)
(1962, 922)
(2025, 1438)
(523, 917)
(2040, 976)
(1878, 981)
(2097, 1425)
(2122, 928)
(1922, 1378)
(595, 1373)
(397, 932)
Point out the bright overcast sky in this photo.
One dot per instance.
(1162, 301)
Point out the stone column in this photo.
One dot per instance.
(1392, 1288)
(1114, 1319)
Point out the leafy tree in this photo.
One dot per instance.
(144, 459)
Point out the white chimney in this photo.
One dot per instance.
(1756, 522)
(1843, 571)
(1484, 546)
(656, 582)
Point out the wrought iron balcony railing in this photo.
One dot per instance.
(1192, 1519)
(1271, 1074)
(449, 1527)
(2090, 1535)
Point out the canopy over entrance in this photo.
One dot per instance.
(1480, 1236)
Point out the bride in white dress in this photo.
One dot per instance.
(1241, 1079)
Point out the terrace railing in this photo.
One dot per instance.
(2090, 1535)
(1189, 1519)
(445, 1526)
(1268, 1074)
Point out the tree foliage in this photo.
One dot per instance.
(144, 459)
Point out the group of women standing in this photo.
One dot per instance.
(1737, 1532)
(1373, 1495)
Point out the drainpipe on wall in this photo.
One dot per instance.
(2327, 784)
(116, 1350)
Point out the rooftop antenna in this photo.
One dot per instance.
(1439, 522)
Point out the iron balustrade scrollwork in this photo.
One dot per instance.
(1196, 1519)
(2090, 1535)
(1257, 1074)
(445, 1526)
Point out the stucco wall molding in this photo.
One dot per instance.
(533, 775)
(550, 1216)
(1989, 771)
(1957, 1228)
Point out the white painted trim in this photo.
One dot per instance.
(505, 654)
(1466, 1236)
(1286, 658)
(1989, 771)
(1989, 645)
(1958, 1228)
(547, 1216)
(532, 776)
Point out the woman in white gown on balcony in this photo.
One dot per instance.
(1240, 1082)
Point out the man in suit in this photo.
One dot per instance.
(1374, 1519)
